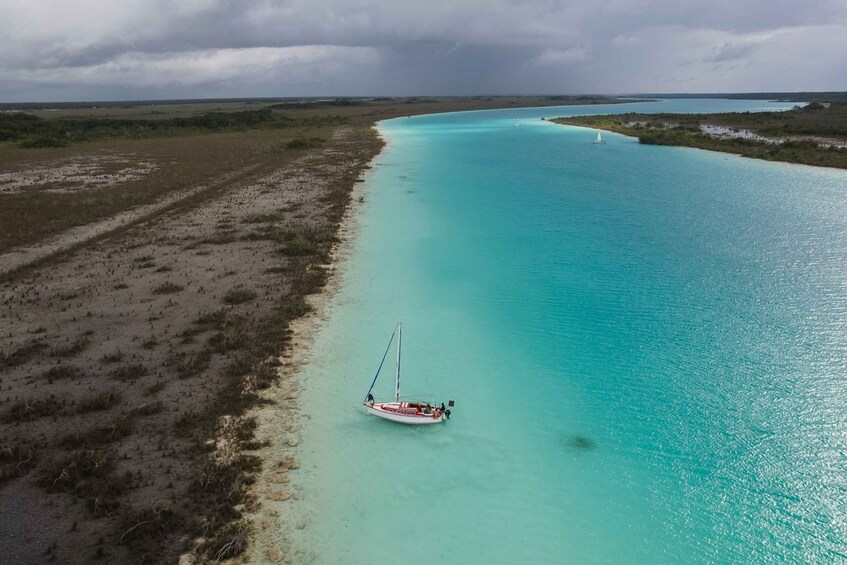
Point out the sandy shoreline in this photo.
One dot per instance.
(283, 411)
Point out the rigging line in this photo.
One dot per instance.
(399, 340)
(390, 341)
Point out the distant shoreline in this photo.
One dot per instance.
(815, 135)
(306, 102)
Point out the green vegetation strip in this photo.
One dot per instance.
(806, 134)
(31, 131)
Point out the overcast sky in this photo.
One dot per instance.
(52, 50)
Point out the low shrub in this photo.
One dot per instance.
(33, 409)
(62, 372)
(299, 245)
(212, 318)
(230, 335)
(22, 354)
(168, 288)
(45, 141)
(149, 408)
(89, 474)
(299, 143)
(16, 461)
(129, 372)
(230, 541)
(194, 363)
(112, 357)
(143, 526)
(72, 348)
(99, 401)
(115, 428)
(300, 241)
(239, 295)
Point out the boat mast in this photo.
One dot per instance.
(397, 367)
(381, 363)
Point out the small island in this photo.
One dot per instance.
(813, 134)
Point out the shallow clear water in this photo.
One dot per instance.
(647, 347)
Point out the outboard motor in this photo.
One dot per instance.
(451, 404)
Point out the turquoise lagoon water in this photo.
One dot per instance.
(647, 347)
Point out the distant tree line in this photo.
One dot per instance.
(33, 131)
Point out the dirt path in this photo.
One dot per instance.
(23, 256)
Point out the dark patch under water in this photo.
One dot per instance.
(580, 442)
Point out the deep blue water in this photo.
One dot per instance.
(647, 347)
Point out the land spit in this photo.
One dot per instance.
(815, 134)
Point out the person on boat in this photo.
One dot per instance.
(428, 409)
(442, 407)
(371, 398)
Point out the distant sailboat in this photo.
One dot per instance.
(404, 411)
(599, 138)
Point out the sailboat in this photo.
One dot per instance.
(599, 138)
(403, 410)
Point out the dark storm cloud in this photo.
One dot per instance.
(99, 49)
(731, 52)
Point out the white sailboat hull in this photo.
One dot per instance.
(400, 412)
(413, 412)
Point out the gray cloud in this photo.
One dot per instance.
(100, 49)
(732, 52)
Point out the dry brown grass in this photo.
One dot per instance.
(183, 164)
